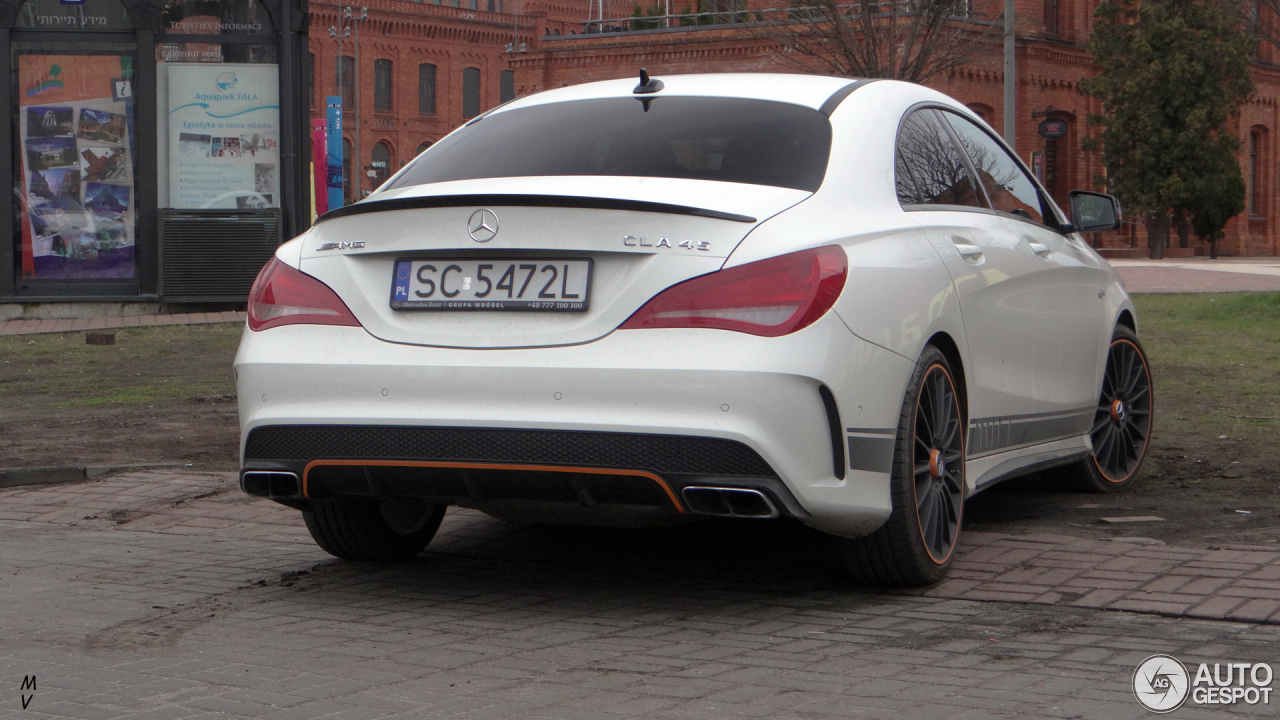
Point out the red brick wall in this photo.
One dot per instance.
(1050, 68)
(408, 34)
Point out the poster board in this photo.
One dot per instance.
(76, 185)
(224, 136)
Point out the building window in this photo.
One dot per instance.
(982, 111)
(470, 92)
(311, 79)
(345, 72)
(1051, 17)
(382, 86)
(506, 86)
(422, 148)
(1255, 159)
(380, 164)
(426, 89)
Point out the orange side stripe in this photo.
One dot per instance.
(306, 472)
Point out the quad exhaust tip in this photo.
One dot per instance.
(729, 502)
(270, 483)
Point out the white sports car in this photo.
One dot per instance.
(845, 302)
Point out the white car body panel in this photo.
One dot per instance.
(1029, 330)
(768, 388)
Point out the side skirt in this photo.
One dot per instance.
(985, 471)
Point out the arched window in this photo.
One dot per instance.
(1059, 161)
(1259, 185)
(382, 85)
(380, 164)
(348, 187)
(470, 92)
(344, 71)
(422, 148)
(982, 111)
(426, 89)
(506, 86)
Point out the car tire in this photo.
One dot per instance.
(1120, 432)
(916, 545)
(355, 528)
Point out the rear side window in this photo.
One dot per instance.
(735, 140)
(1009, 188)
(929, 170)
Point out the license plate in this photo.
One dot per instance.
(557, 285)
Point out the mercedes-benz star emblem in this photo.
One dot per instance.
(483, 225)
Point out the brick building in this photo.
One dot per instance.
(424, 68)
(1051, 61)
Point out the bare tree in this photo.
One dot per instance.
(907, 40)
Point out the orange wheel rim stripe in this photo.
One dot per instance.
(1150, 416)
(915, 499)
(306, 472)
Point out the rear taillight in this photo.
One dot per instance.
(771, 297)
(284, 296)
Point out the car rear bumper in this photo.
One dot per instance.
(654, 411)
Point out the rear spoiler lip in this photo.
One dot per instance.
(565, 201)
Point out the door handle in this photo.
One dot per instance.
(968, 251)
(1040, 249)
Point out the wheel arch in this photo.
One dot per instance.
(1126, 319)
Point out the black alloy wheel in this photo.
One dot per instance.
(927, 486)
(1122, 423)
(939, 463)
(1122, 420)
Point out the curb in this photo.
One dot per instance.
(17, 477)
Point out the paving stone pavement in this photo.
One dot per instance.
(169, 595)
(1199, 275)
(30, 327)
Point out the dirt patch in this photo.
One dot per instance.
(159, 394)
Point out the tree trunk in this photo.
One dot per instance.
(1157, 233)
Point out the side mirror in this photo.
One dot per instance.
(1094, 212)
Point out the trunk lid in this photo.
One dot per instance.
(641, 234)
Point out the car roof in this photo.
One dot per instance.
(807, 90)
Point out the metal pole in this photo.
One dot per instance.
(1010, 78)
(356, 168)
(359, 169)
(289, 139)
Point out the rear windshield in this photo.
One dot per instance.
(727, 139)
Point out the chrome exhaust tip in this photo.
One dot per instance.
(729, 502)
(270, 483)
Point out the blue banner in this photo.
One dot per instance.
(333, 178)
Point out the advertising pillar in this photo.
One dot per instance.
(333, 108)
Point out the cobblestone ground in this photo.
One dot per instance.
(1199, 275)
(163, 596)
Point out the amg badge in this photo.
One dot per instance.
(354, 245)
